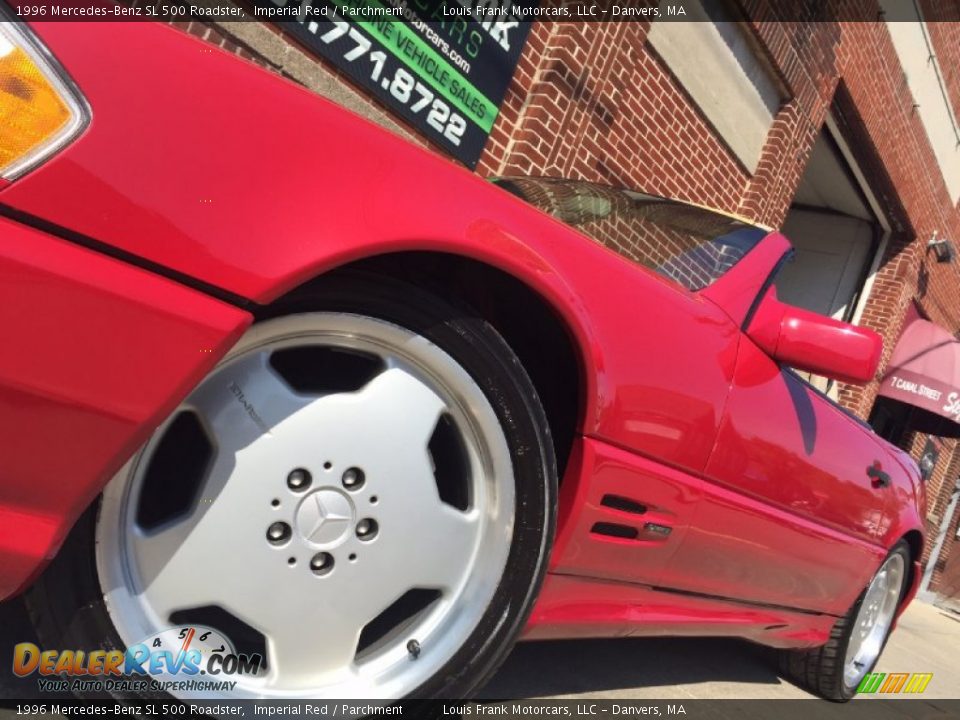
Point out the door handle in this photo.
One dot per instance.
(878, 478)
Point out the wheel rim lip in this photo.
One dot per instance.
(481, 432)
(873, 621)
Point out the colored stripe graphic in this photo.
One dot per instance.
(894, 683)
(870, 682)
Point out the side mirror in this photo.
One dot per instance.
(815, 343)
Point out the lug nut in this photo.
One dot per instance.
(367, 529)
(321, 563)
(299, 480)
(278, 533)
(353, 478)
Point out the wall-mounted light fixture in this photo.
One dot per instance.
(942, 248)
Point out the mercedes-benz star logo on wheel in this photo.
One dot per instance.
(324, 517)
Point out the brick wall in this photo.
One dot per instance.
(592, 101)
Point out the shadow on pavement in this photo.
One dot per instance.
(569, 667)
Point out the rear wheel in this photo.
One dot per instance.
(364, 495)
(835, 670)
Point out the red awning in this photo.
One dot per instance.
(925, 372)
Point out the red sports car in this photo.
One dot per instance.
(268, 369)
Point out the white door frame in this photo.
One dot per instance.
(831, 126)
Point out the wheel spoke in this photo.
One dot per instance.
(314, 649)
(198, 559)
(171, 564)
(445, 546)
(400, 404)
(246, 401)
(428, 542)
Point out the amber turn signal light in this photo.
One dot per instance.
(40, 110)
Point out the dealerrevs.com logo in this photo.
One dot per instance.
(183, 659)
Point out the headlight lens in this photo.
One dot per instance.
(40, 111)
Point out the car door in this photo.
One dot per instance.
(789, 514)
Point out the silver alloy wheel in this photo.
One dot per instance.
(873, 621)
(319, 510)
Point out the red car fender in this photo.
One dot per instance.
(96, 354)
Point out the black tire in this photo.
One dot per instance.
(67, 606)
(820, 670)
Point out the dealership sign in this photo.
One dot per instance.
(442, 65)
(924, 370)
(921, 391)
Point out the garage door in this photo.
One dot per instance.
(833, 251)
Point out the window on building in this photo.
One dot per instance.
(716, 61)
